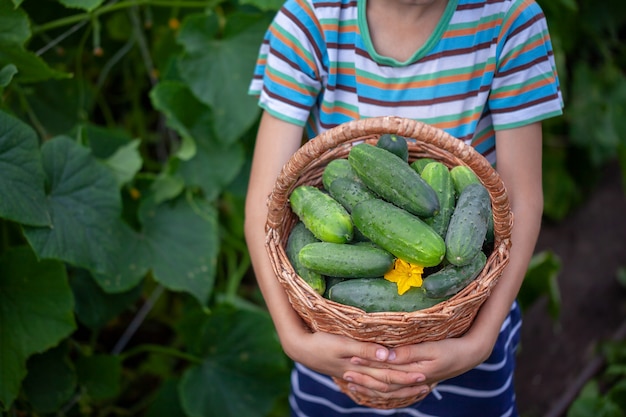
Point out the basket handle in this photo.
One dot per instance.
(421, 132)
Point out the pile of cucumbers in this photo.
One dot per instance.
(374, 207)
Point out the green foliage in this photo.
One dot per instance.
(124, 130)
(604, 395)
(125, 144)
(541, 281)
(591, 58)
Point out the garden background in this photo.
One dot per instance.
(125, 286)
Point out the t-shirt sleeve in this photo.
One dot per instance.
(526, 86)
(287, 73)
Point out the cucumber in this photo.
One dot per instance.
(451, 279)
(379, 295)
(393, 180)
(337, 168)
(346, 260)
(299, 237)
(349, 192)
(437, 175)
(395, 144)
(324, 216)
(399, 232)
(468, 225)
(330, 281)
(462, 176)
(419, 164)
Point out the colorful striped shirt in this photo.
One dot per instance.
(488, 65)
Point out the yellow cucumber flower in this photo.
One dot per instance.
(406, 275)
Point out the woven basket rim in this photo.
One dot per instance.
(338, 139)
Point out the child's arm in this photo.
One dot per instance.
(519, 165)
(326, 353)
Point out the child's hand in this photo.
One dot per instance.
(414, 368)
(336, 356)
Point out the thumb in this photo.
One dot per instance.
(373, 352)
(411, 353)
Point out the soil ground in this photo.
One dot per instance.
(591, 244)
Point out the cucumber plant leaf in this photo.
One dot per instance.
(85, 207)
(126, 162)
(541, 281)
(14, 33)
(100, 375)
(267, 5)
(243, 371)
(184, 112)
(22, 181)
(167, 401)
(14, 24)
(213, 164)
(53, 364)
(36, 312)
(6, 75)
(94, 307)
(181, 241)
(87, 5)
(219, 73)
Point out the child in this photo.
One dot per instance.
(482, 70)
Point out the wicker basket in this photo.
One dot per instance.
(450, 318)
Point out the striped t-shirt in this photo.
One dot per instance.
(488, 65)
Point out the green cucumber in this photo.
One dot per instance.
(346, 260)
(330, 281)
(468, 225)
(395, 144)
(419, 164)
(393, 179)
(324, 216)
(437, 175)
(337, 168)
(451, 279)
(349, 192)
(462, 176)
(379, 295)
(299, 237)
(399, 232)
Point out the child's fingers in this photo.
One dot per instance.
(384, 380)
(371, 387)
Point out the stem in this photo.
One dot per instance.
(236, 272)
(137, 320)
(164, 350)
(79, 17)
(39, 127)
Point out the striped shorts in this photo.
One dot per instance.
(485, 391)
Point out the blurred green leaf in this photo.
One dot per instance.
(36, 312)
(85, 207)
(6, 75)
(100, 375)
(167, 401)
(219, 72)
(22, 181)
(94, 307)
(87, 5)
(126, 162)
(181, 238)
(244, 370)
(51, 365)
(541, 281)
